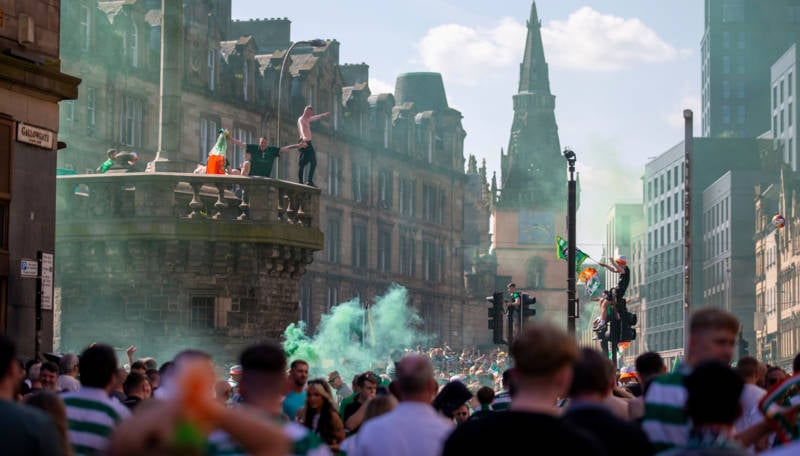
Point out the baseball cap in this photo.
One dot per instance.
(622, 259)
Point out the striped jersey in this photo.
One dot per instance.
(502, 401)
(665, 422)
(91, 417)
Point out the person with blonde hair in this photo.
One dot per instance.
(319, 413)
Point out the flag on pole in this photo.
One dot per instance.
(590, 279)
(562, 252)
(216, 156)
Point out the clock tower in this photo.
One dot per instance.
(529, 211)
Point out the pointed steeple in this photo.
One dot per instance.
(533, 171)
(533, 73)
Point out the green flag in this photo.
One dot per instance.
(561, 247)
(561, 251)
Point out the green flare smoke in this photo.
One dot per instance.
(352, 339)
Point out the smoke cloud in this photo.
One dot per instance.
(352, 339)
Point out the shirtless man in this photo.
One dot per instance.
(307, 154)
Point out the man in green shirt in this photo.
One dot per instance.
(112, 155)
(260, 157)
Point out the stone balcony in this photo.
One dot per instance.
(161, 260)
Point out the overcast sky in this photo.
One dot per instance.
(622, 72)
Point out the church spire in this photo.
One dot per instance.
(533, 72)
(533, 170)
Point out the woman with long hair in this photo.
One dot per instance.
(320, 415)
(51, 403)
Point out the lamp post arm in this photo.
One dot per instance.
(280, 84)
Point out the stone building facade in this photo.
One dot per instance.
(32, 82)
(530, 209)
(390, 167)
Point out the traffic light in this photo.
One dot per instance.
(495, 315)
(527, 305)
(744, 346)
(628, 320)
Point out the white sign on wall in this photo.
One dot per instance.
(28, 268)
(36, 136)
(47, 281)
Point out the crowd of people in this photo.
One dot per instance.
(546, 392)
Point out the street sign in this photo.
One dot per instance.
(28, 268)
(47, 281)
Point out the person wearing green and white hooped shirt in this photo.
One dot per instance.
(712, 337)
(502, 400)
(92, 414)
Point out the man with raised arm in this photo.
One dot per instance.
(308, 155)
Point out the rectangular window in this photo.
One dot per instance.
(91, 110)
(69, 110)
(726, 39)
(246, 80)
(789, 83)
(429, 260)
(385, 250)
(775, 96)
(133, 45)
(781, 91)
(726, 64)
(85, 26)
(733, 11)
(203, 312)
(726, 114)
(333, 241)
(334, 175)
(789, 115)
(740, 115)
(212, 69)
(740, 89)
(407, 254)
(740, 40)
(131, 121)
(359, 249)
(208, 136)
(407, 195)
(385, 189)
(360, 183)
(245, 134)
(430, 202)
(332, 298)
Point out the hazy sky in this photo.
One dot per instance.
(622, 72)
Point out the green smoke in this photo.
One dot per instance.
(352, 339)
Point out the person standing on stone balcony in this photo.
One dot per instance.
(308, 156)
(260, 157)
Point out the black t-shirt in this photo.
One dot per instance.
(624, 280)
(261, 160)
(507, 432)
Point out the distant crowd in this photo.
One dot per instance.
(545, 395)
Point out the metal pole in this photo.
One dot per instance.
(688, 146)
(314, 42)
(278, 118)
(571, 210)
(37, 344)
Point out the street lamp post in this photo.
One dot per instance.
(572, 300)
(315, 43)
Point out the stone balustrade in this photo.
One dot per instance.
(181, 196)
